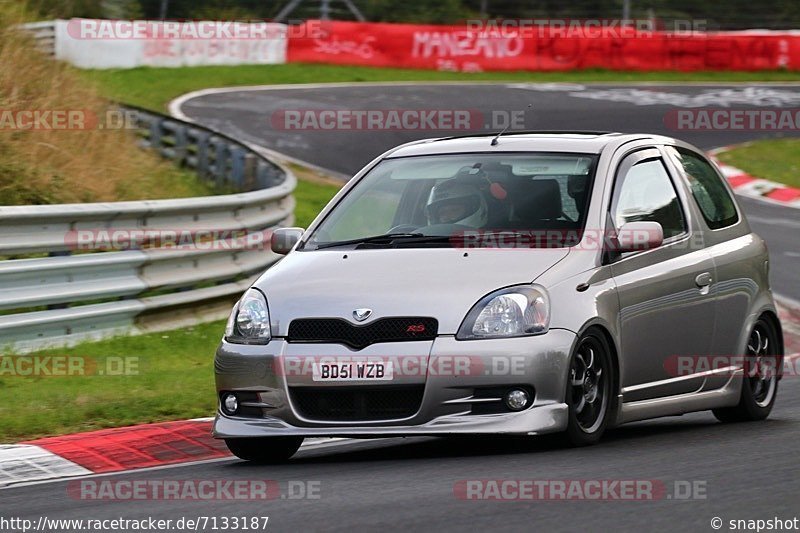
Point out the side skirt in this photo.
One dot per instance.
(725, 396)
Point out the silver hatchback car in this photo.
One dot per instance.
(520, 284)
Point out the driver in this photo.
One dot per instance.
(456, 202)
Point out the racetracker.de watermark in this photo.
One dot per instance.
(585, 239)
(396, 120)
(40, 366)
(41, 119)
(190, 30)
(193, 490)
(198, 239)
(579, 489)
(582, 28)
(715, 119)
(377, 367)
(744, 366)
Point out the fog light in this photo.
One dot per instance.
(517, 399)
(230, 404)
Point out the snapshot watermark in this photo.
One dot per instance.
(579, 489)
(46, 366)
(395, 120)
(716, 119)
(41, 119)
(774, 523)
(193, 490)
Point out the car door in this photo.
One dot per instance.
(738, 256)
(667, 307)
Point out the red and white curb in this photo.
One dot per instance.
(109, 450)
(22, 463)
(116, 450)
(753, 187)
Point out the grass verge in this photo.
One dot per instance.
(772, 159)
(153, 88)
(170, 376)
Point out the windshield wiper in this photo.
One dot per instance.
(374, 239)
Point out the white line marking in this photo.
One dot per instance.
(25, 463)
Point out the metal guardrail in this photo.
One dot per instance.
(216, 157)
(74, 294)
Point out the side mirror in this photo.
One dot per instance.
(284, 239)
(637, 236)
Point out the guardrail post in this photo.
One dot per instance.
(62, 253)
(237, 167)
(220, 161)
(250, 178)
(155, 134)
(181, 143)
(203, 163)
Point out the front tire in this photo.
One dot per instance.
(760, 380)
(264, 450)
(589, 390)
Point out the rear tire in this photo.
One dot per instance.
(762, 367)
(264, 450)
(589, 390)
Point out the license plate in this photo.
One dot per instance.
(353, 371)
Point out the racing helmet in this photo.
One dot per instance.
(456, 202)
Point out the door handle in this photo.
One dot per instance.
(703, 280)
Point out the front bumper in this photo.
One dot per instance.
(453, 402)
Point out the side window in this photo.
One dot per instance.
(646, 193)
(709, 192)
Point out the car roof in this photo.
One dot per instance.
(587, 142)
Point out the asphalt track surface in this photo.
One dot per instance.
(748, 471)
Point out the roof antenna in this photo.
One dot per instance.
(495, 141)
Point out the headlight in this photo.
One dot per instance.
(249, 320)
(510, 312)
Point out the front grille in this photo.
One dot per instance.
(358, 403)
(340, 331)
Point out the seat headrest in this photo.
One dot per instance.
(497, 170)
(537, 199)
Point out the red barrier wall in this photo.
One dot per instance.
(457, 48)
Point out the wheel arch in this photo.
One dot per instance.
(771, 316)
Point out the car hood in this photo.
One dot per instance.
(443, 283)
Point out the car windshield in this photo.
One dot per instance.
(445, 199)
